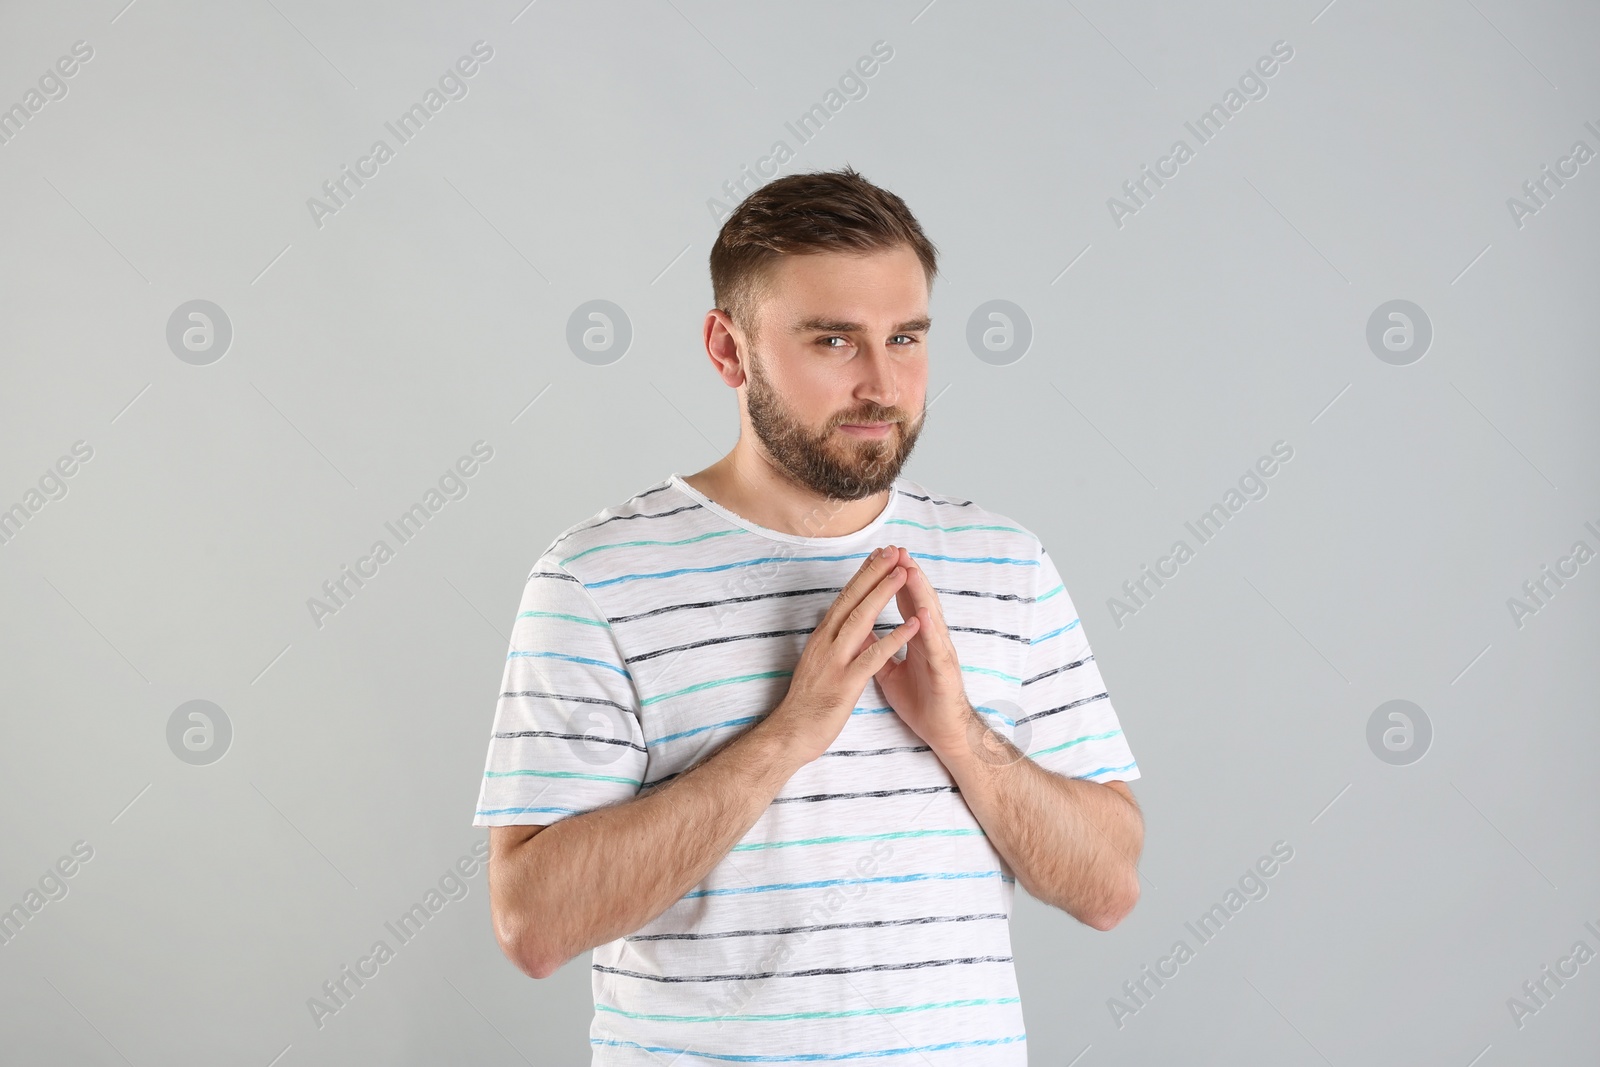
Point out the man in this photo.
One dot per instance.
(785, 839)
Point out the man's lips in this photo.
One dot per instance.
(867, 429)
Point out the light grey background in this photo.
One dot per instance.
(368, 354)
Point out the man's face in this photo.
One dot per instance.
(841, 345)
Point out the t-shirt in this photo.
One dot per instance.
(865, 915)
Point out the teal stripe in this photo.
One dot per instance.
(1076, 741)
(713, 684)
(978, 559)
(789, 1016)
(663, 739)
(563, 774)
(824, 882)
(991, 670)
(857, 837)
(769, 674)
(1050, 594)
(634, 544)
(950, 529)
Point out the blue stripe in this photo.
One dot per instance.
(577, 659)
(814, 1057)
(1052, 633)
(526, 772)
(519, 811)
(999, 715)
(663, 739)
(1103, 770)
(802, 559)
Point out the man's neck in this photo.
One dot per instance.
(753, 489)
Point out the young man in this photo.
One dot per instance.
(784, 840)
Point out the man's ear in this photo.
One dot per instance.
(724, 346)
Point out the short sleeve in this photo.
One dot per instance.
(566, 736)
(1067, 720)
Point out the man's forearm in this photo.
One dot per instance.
(592, 878)
(1072, 843)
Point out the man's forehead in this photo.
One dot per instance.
(848, 292)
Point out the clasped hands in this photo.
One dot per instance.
(925, 688)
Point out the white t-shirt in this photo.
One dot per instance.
(865, 915)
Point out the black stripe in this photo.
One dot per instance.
(830, 590)
(1064, 707)
(564, 696)
(1058, 670)
(624, 742)
(806, 631)
(985, 632)
(865, 924)
(823, 796)
(931, 500)
(562, 576)
(810, 972)
(811, 797)
(715, 641)
(981, 593)
(833, 590)
(877, 751)
(614, 518)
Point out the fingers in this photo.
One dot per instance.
(919, 590)
(872, 570)
(858, 624)
(872, 658)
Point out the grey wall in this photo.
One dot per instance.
(1172, 345)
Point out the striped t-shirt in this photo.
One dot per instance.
(865, 916)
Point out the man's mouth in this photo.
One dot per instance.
(867, 429)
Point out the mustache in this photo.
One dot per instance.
(879, 415)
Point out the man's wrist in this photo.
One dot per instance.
(964, 742)
(778, 743)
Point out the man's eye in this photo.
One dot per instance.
(903, 338)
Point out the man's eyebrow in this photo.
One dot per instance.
(918, 325)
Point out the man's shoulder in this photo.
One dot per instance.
(638, 517)
(953, 512)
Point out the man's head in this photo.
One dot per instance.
(821, 283)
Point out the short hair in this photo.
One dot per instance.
(820, 211)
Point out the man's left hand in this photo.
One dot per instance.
(925, 689)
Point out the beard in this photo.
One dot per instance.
(835, 464)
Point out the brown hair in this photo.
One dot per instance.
(822, 211)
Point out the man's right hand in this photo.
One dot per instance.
(841, 655)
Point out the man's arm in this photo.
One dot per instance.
(557, 890)
(1072, 843)
(593, 877)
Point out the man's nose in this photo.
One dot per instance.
(880, 378)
